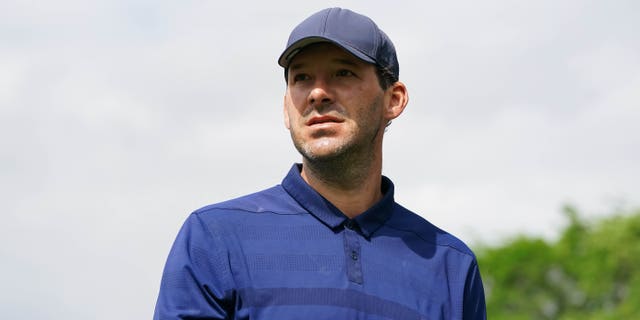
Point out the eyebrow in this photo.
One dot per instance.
(296, 66)
(348, 62)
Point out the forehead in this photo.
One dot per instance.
(324, 51)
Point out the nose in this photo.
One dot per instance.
(320, 93)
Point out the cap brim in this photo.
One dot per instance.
(293, 49)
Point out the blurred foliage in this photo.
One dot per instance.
(591, 272)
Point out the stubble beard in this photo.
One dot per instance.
(350, 160)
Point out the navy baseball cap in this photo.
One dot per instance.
(349, 30)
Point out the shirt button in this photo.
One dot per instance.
(354, 255)
(348, 224)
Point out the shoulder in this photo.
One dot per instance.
(233, 217)
(408, 221)
(274, 200)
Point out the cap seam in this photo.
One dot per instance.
(324, 25)
(376, 41)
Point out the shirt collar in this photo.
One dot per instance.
(368, 222)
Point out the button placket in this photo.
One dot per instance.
(352, 253)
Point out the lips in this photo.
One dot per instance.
(323, 119)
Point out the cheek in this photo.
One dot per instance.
(296, 97)
(287, 123)
(372, 110)
(291, 113)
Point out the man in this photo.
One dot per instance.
(329, 242)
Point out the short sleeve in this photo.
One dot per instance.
(474, 307)
(197, 281)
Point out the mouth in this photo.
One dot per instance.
(323, 119)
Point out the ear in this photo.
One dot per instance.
(287, 124)
(398, 99)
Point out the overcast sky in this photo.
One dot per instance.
(119, 118)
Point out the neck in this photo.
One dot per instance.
(352, 185)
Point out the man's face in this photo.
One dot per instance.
(334, 103)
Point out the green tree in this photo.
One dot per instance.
(591, 272)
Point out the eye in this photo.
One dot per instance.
(344, 73)
(300, 77)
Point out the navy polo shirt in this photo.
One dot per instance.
(288, 253)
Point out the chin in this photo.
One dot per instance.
(322, 154)
(321, 151)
